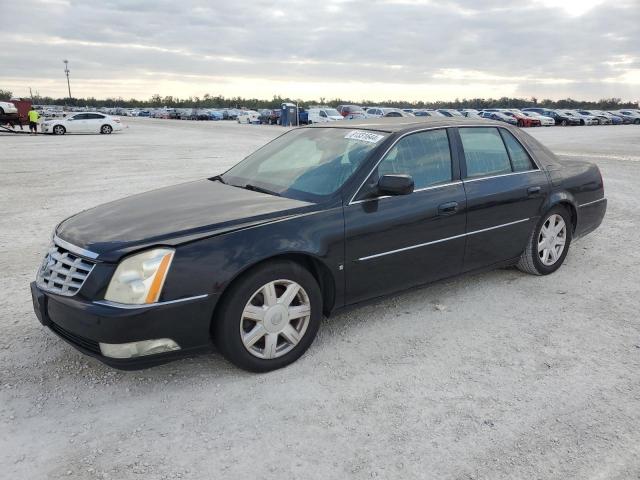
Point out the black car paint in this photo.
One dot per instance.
(220, 231)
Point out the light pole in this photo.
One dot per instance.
(66, 70)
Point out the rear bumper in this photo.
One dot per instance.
(590, 216)
(84, 324)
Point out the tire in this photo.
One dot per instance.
(563, 123)
(637, 121)
(106, 129)
(520, 123)
(1, 111)
(530, 260)
(244, 303)
(59, 130)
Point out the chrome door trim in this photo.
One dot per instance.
(591, 203)
(390, 252)
(477, 179)
(74, 249)
(128, 306)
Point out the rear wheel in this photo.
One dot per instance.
(637, 121)
(106, 129)
(59, 130)
(269, 317)
(548, 244)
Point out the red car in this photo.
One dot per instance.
(523, 120)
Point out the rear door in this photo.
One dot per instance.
(394, 242)
(505, 192)
(95, 122)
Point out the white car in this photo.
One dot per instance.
(323, 115)
(248, 116)
(544, 120)
(7, 108)
(89, 122)
(586, 119)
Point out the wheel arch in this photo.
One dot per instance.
(567, 201)
(317, 268)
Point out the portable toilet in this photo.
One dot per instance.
(289, 116)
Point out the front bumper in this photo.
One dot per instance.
(85, 324)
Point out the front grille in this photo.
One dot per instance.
(82, 342)
(63, 272)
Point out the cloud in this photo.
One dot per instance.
(414, 49)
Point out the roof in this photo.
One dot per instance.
(398, 124)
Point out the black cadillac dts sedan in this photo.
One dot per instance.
(320, 218)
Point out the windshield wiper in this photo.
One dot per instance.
(218, 178)
(254, 188)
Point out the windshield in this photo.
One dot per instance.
(306, 163)
(332, 112)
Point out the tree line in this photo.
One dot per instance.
(219, 101)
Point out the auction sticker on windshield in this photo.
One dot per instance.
(362, 136)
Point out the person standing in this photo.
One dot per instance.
(33, 120)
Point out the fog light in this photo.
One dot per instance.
(138, 349)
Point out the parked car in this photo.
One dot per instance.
(544, 120)
(396, 112)
(629, 115)
(449, 112)
(600, 118)
(573, 115)
(498, 116)
(323, 115)
(248, 117)
(8, 108)
(522, 120)
(557, 115)
(615, 119)
(386, 112)
(427, 113)
(91, 122)
(252, 259)
(585, 119)
(353, 110)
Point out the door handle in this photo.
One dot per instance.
(448, 208)
(532, 191)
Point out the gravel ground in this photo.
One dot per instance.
(498, 375)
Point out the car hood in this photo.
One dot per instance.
(173, 215)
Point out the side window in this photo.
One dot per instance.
(424, 155)
(322, 113)
(484, 152)
(519, 157)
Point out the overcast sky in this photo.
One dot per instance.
(373, 49)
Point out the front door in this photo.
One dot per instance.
(394, 242)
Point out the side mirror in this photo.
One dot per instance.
(395, 184)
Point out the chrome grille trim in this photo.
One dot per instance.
(63, 271)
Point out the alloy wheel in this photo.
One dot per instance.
(275, 319)
(552, 240)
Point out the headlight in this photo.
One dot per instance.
(139, 279)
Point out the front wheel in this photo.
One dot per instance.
(106, 129)
(59, 130)
(548, 244)
(637, 121)
(563, 123)
(269, 317)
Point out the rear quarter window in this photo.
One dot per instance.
(520, 159)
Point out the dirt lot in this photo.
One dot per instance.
(500, 375)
